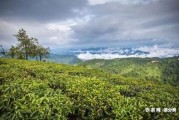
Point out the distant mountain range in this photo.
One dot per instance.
(120, 51)
(74, 56)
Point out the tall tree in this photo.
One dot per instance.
(42, 52)
(24, 43)
(12, 51)
(28, 47)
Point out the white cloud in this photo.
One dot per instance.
(52, 34)
(90, 56)
(94, 2)
(63, 26)
(130, 2)
(54, 38)
(56, 27)
(156, 51)
(150, 51)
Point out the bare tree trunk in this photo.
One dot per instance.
(26, 56)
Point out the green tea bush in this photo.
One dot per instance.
(45, 91)
(25, 99)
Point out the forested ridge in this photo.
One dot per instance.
(44, 90)
(158, 69)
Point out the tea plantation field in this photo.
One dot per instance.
(50, 91)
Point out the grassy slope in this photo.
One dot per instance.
(40, 90)
(162, 70)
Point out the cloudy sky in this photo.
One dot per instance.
(91, 23)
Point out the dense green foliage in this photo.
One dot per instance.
(39, 90)
(165, 70)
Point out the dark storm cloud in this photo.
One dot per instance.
(61, 23)
(116, 22)
(95, 29)
(35, 16)
(169, 20)
(42, 10)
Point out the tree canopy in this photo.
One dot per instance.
(28, 47)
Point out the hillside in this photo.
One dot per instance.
(165, 70)
(65, 59)
(44, 90)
